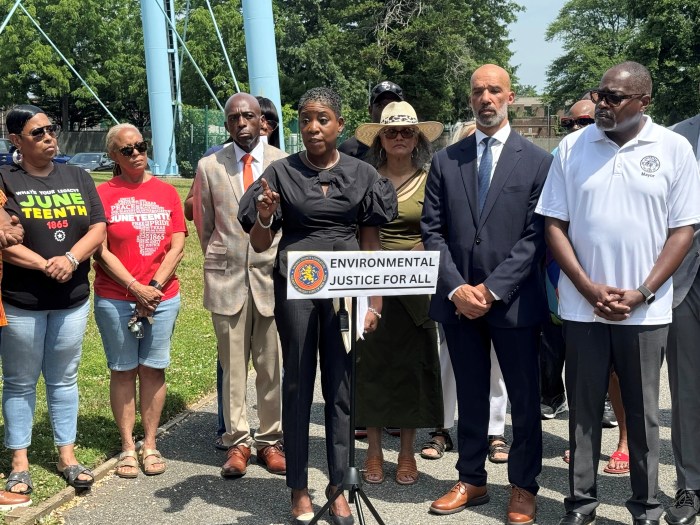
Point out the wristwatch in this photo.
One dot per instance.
(649, 296)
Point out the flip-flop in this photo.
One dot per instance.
(618, 456)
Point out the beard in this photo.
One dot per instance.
(605, 121)
(490, 121)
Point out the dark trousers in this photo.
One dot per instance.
(636, 353)
(552, 353)
(469, 343)
(683, 372)
(307, 327)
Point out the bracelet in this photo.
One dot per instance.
(129, 286)
(261, 223)
(74, 262)
(156, 285)
(374, 311)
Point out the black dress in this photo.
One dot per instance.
(311, 221)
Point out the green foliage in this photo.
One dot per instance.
(661, 34)
(199, 130)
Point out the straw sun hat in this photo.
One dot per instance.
(398, 114)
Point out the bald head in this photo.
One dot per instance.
(582, 107)
(492, 71)
(490, 97)
(243, 120)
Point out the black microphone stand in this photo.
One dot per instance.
(352, 481)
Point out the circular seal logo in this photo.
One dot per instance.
(650, 164)
(59, 235)
(308, 275)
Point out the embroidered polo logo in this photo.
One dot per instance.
(650, 164)
(308, 275)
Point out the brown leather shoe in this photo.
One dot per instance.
(272, 456)
(237, 459)
(461, 496)
(11, 500)
(521, 507)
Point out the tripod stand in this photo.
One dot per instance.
(352, 482)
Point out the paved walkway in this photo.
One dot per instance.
(192, 491)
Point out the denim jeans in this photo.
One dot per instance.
(124, 351)
(47, 342)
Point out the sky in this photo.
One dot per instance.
(531, 52)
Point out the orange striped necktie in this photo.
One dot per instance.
(247, 170)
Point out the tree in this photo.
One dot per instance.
(662, 35)
(97, 38)
(595, 36)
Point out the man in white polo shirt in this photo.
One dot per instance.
(619, 204)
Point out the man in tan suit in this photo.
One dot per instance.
(238, 289)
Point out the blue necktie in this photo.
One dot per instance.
(485, 172)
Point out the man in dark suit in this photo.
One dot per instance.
(684, 365)
(479, 209)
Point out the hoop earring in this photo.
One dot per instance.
(382, 154)
(413, 153)
(17, 156)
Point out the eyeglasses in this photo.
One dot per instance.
(407, 133)
(582, 121)
(612, 99)
(128, 151)
(38, 133)
(271, 124)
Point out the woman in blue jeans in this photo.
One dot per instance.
(137, 294)
(46, 291)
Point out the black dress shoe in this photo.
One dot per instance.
(685, 507)
(644, 521)
(576, 518)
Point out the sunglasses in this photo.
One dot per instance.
(128, 151)
(38, 133)
(612, 99)
(407, 133)
(581, 122)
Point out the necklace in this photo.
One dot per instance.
(319, 168)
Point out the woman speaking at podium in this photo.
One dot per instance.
(321, 199)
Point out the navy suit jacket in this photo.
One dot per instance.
(503, 248)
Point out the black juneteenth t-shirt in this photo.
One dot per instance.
(56, 212)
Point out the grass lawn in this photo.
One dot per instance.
(191, 375)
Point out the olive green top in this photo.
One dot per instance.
(403, 233)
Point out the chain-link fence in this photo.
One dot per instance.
(198, 130)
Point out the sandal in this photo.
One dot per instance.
(71, 473)
(373, 471)
(127, 460)
(567, 456)
(16, 478)
(150, 457)
(407, 471)
(618, 457)
(498, 445)
(437, 445)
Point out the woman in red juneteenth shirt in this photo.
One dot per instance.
(137, 294)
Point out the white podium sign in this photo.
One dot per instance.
(322, 275)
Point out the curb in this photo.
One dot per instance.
(30, 515)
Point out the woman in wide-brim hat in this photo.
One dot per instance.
(405, 342)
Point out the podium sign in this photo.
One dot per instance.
(323, 275)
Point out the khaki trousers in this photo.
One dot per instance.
(239, 338)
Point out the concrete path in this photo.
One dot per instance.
(192, 491)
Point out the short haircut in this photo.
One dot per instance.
(376, 156)
(641, 78)
(322, 95)
(18, 116)
(110, 141)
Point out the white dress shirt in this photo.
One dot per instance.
(257, 164)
